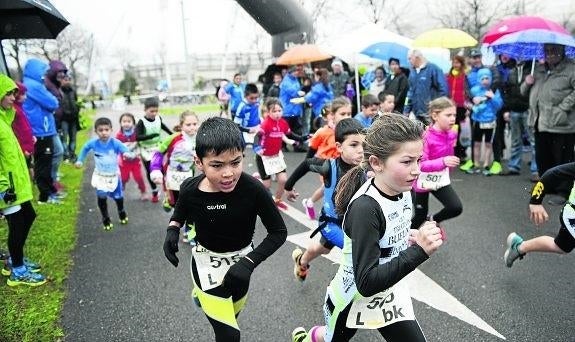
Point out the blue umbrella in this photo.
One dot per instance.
(528, 44)
(387, 50)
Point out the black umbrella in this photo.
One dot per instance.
(21, 19)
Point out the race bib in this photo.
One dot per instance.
(433, 180)
(568, 218)
(175, 178)
(487, 125)
(385, 308)
(274, 164)
(249, 137)
(147, 152)
(107, 183)
(212, 267)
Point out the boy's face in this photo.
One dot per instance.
(104, 132)
(485, 82)
(351, 149)
(237, 79)
(252, 98)
(127, 123)
(276, 112)
(151, 112)
(388, 104)
(8, 99)
(370, 110)
(222, 171)
(277, 79)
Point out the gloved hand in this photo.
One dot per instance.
(238, 276)
(171, 244)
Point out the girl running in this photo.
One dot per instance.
(379, 249)
(438, 148)
(127, 135)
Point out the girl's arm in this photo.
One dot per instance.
(365, 224)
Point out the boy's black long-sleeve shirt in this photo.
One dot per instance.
(225, 222)
(141, 130)
(550, 180)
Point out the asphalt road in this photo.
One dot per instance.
(121, 287)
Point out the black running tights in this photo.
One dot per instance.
(103, 205)
(452, 206)
(19, 224)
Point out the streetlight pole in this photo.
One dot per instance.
(186, 54)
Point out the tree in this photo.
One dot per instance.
(15, 49)
(129, 83)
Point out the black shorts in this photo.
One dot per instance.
(261, 169)
(564, 239)
(477, 133)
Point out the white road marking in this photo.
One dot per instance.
(422, 288)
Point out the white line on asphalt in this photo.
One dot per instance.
(422, 288)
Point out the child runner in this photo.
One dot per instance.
(223, 203)
(322, 145)
(248, 113)
(148, 132)
(379, 249)
(15, 194)
(438, 149)
(269, 157)
(386, 103)
(369, 108)
(127, 135)
(349, 142)
(179, 150)
(564, 242)
(106, 174)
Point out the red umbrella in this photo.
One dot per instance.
(521, 23)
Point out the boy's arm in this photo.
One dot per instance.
(166, 129)
(308, 164)
(550, 180)
(84, 151)
(141, 132)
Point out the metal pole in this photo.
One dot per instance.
(187, 57)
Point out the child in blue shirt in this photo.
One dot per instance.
(248, 113)
(106, 176)
(369, 108)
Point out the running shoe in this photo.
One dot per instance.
(195, 298)
(155, 197)
(22, 276)
(512, 251)
(466, 166)
(30, 265)
(298, 334)
(123, 217)
(309, 209)
(166, 205)
(280, 204)
(107, 224)
(495, 168)
(299, 271)
(144, 197)
(51, 200)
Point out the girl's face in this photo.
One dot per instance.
(8, 99)
(444, 120)
(190, 125)
(342, 113)
(152, 112)
(379, 74)
(276, 112)
(397, 174)
(351, 149)
(222, 171)
(126, 123)
(237, 79)
(388, 104)
(455, 64)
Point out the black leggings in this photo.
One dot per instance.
(103, 206)
(19, 225)
(452, 206)
(152, 184)
(396, 332)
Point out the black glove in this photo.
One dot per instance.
(171, 244)
(238, 276)
(9, 196)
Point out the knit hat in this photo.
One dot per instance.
(475, 53)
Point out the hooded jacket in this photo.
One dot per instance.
(552, 98)
(486, 111)
(288, 90)
(21, 125)
(319, 96)
(436, 145)
(510, 77)
(53, 84)
(12, 161)
(40, 104)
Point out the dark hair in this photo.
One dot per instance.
(461, 61)
(129, 115)
(251, 89)
(347, 127)
(217, 135)
(151, 102)
(271, 102)
(383, 95)
(368, 100)
(323, 75)
(102, 122)
(383, 139)
(393, 60)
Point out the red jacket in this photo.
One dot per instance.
(22, 129)
(457, 88)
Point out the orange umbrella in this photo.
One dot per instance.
(299, 54)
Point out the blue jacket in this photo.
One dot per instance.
(318, 96)
(40, 104)
(247, 114)
(288, 90)
(364, 120)
(472, 79)
(236, 94)
(485, 111)
(424, 86)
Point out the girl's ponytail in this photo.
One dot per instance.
(348, 185)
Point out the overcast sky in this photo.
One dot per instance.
(148, 27)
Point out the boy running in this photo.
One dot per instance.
(223, 203)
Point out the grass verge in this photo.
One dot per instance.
(33, 314)
(210, 108)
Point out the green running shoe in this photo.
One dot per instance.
(468, 165)
(495, 168)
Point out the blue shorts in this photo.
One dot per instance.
(116, 194)
(333, 234)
